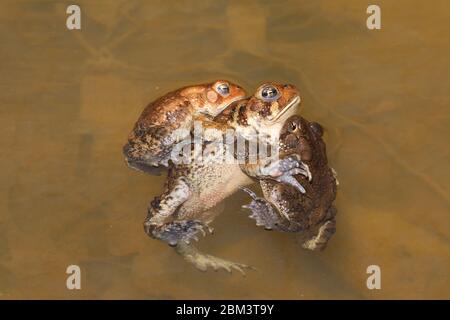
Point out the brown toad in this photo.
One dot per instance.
(193, 188)
(284, 208)
(161, 124)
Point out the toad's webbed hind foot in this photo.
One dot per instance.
(203, 261)
(262, 211)
(177, 231)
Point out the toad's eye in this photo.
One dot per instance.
(269, 93)
(223, 89)
(292, 127)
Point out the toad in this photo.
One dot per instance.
(284, 208)
(160, 125)
(193, 189)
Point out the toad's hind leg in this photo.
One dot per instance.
(204, 261)
(325, 232)
(319, 241)
(163, 207)
(262, 211)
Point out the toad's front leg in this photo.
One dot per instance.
(284, 170)
(280, 170)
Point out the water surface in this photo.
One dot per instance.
(68, 100)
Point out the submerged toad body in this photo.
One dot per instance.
(284, 208)
(192, 189)
(161, 124)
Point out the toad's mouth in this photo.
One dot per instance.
(143, 167)
(292, 104)
(226, 105)
(233, 100)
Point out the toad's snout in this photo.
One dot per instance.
(127, 151)
(137, 162)
(130, 153)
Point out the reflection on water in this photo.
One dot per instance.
(68, 100)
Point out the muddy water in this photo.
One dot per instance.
(68, 100)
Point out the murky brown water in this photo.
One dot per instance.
(68, 100)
